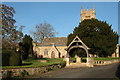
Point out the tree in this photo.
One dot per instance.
(11, 34)
(97, 35)
(7, 19)
(43, 30)
(26, 47)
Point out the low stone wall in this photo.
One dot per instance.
(106, 62)
(31, 70)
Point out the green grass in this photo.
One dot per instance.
(108, 58)
(74, 59)
(100, 58)
(35, 63)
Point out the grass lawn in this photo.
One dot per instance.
(100, 58)
(74, 59)
(36, 63)
(106, 58)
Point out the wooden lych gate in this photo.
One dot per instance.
(77, 43)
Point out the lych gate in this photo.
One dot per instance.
(77, 43)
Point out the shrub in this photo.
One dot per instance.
(63, 64)
(24, 55)
(49, 69)
(15, 59)
(5, 57)
(10, 58)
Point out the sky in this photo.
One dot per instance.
(63, 16)
(59, 0)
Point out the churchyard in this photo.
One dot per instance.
(36, 63)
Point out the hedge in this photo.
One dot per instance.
(10, 58)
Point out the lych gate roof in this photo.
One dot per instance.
(57, 41)
(77, 39)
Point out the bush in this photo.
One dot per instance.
(63, 64)
(15, 59)
(49, 69)
(5, 57)
(10, 58)
(24, 56)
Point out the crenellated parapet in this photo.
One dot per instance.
(87, 14)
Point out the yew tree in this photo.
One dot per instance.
(97, 35)
(26, 47)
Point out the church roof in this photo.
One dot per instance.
(57, 41)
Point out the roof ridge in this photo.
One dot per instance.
(56, 37)
(55, 40)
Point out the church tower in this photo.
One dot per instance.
(87, 14)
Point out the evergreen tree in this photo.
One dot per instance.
(26, 47)
(97, 35)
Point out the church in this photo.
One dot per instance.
(57, 47)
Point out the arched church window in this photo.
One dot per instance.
(46, 52)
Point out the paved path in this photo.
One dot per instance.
(107, 71)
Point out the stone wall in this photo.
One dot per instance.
(30, 71)
(106, 62)
(90, 62)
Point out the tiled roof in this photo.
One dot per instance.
(57, 41)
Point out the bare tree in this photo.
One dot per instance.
(43, 30)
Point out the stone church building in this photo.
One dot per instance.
(51, 48)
